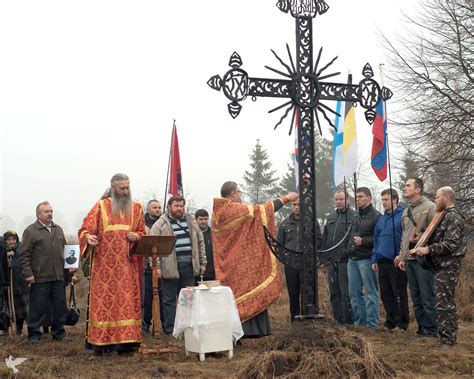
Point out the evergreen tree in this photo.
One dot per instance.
(260, 182)
(324, 179)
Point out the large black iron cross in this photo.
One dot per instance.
(305, 89)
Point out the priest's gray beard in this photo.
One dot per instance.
(121, 205)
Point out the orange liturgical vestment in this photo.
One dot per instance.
(114, 308)
(242, 259)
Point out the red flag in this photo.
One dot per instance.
(176, 180)
(379, 144)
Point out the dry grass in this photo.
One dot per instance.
(320, 349)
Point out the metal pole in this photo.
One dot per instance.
(169, 163)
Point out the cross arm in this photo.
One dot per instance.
(269, 87)
(338, 91)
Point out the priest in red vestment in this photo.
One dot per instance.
(242, 259)
(108, 232)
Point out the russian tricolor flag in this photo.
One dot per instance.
(379, 144)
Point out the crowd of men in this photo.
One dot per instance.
(379, 254)
(382, 256)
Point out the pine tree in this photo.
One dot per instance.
(260, 181)
(324, 179)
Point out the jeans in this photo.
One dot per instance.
(42, 297)
(171, 288)
(393, 291)
(421, 283)
(339, 292)
(363, 293)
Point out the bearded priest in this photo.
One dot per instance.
(109, 231)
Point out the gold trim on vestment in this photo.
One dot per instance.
(114, 324)
(113, 342)
(236, 222)
(105, 221)
(274, 271)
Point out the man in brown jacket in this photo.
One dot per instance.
(187, 260)
(42, 266)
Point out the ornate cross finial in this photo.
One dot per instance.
(303, 8)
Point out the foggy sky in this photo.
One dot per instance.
(91, 88)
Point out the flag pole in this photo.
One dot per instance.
(355, 190)
(389, 166)
(169, 163)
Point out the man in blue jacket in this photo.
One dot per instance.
(392, 280)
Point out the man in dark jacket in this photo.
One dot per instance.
(336, 227)
(42, 266)
(392, 280)
(202, 219)
(447, 246)
(153, 213)
(288, 236)
(363, 290)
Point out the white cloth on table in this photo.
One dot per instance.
(206, 309)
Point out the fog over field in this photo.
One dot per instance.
(91, 88)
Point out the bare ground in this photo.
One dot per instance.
(409, 356)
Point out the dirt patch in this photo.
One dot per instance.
(318, 349)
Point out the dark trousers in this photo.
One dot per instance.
(293, 285)
(421, 283)
(171, 288)
(393, 291)
(339, 292)
(43, 296)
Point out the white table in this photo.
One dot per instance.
(209, 320)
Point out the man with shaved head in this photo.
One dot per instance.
(447, 247)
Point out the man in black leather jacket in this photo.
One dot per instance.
(363, 288)
(288, 236)
(336, 227)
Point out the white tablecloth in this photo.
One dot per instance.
(199, 309)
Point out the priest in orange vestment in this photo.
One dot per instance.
(108, 231)
(242, 259)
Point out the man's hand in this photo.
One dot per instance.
(158, 271)
(132, 237)
(10, 253)
(375, 267)
(402, 266)
(202, 270)
(30, 279)
(415, 238)
(358, 240)
(292, 196)
(92, 240)
(396, 261)
(420, 251)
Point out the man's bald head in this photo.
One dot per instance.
(445, 198)
(449, 192)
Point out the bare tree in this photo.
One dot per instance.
(432, 73)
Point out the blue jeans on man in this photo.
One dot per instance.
(421, 283)
(363, 292)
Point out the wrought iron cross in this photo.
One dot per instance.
(305, 89)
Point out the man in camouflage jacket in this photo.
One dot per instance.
(447, 247)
